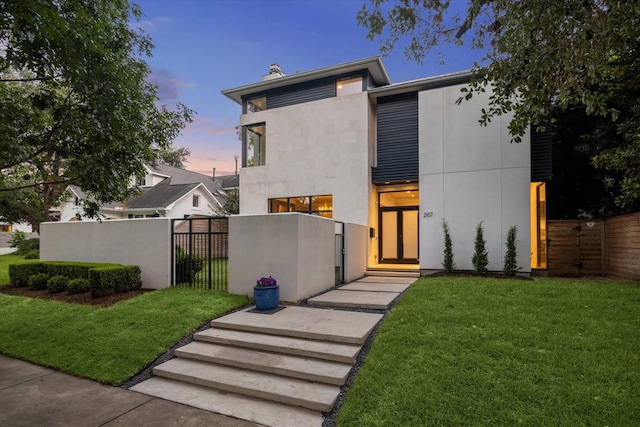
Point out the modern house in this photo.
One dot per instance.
(344, 142)
(167, 191)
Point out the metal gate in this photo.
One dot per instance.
(200, 252)
(339, 253)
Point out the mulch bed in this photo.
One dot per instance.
(84, 298)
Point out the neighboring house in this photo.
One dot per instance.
(343, 142)
(6, 227)
(166, 192)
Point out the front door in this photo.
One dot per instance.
(398, 223)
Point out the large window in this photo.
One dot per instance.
(315, 205)
(255, 145)
(349, 85)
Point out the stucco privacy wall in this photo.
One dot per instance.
(296, 249)
(470, 173)
(355, 251)
(141, 242)
(315, 148)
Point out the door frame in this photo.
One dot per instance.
(400, 250)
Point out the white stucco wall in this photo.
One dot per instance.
(296, 249)
(142, 242)
(468, 174)
(316, 148)
(355, 251)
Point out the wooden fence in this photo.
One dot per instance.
(609, 247)
(622, 247)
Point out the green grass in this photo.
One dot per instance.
(219, 275)
(473, 351)
(106, 344)
(5, 260)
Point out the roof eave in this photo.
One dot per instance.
(452, 79)
(373, 64)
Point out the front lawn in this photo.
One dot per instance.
(106, 344)
(474, 351)
(5, 260)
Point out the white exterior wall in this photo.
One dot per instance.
(68, 209)
(468, 174)
(184, 206)
(296, 249)
(315, 148)
(355, 251)
(142, 242)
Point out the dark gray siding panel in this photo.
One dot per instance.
(300, 93)
(397, 139)
(541, 154)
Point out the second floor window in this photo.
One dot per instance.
(255, 145)
(196, 201)
(349, 85)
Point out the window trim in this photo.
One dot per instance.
(195, 201)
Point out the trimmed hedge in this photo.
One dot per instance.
(106, 281)
(102, 279)
(19, 273)
(57, 284)
(78, 286)
(38, 281)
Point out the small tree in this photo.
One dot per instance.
(448, 263)
(510, 261)
(480, 256)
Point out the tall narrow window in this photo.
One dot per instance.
(349, 85)
(256, 145)
(538, 192)
(196, 200)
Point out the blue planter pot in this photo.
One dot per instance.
(266, 298)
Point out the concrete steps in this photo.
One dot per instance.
(289, 364)
(386, 272)
(291, 391)
(337, 352)
(260, 411)
(274, 363)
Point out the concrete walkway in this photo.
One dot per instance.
(279, 369)
(31, 395)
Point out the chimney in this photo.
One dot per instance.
(156, 154)
(275, 72)
(214, 173)
(236, 159)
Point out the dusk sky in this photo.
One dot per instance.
(205, 46)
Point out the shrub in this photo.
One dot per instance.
(510, 257)
(78, 286)
(19, 274)
(187, 266)
(57, 284)
(480, 257)
(28, 245)
(17, 237)
(448, 263)
(35, 254)
(38, 281)
(106, 281)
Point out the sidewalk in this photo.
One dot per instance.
(31, 395)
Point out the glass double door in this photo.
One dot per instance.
(399, 235)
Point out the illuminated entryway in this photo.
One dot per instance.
(538, 194)
(398, 220)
